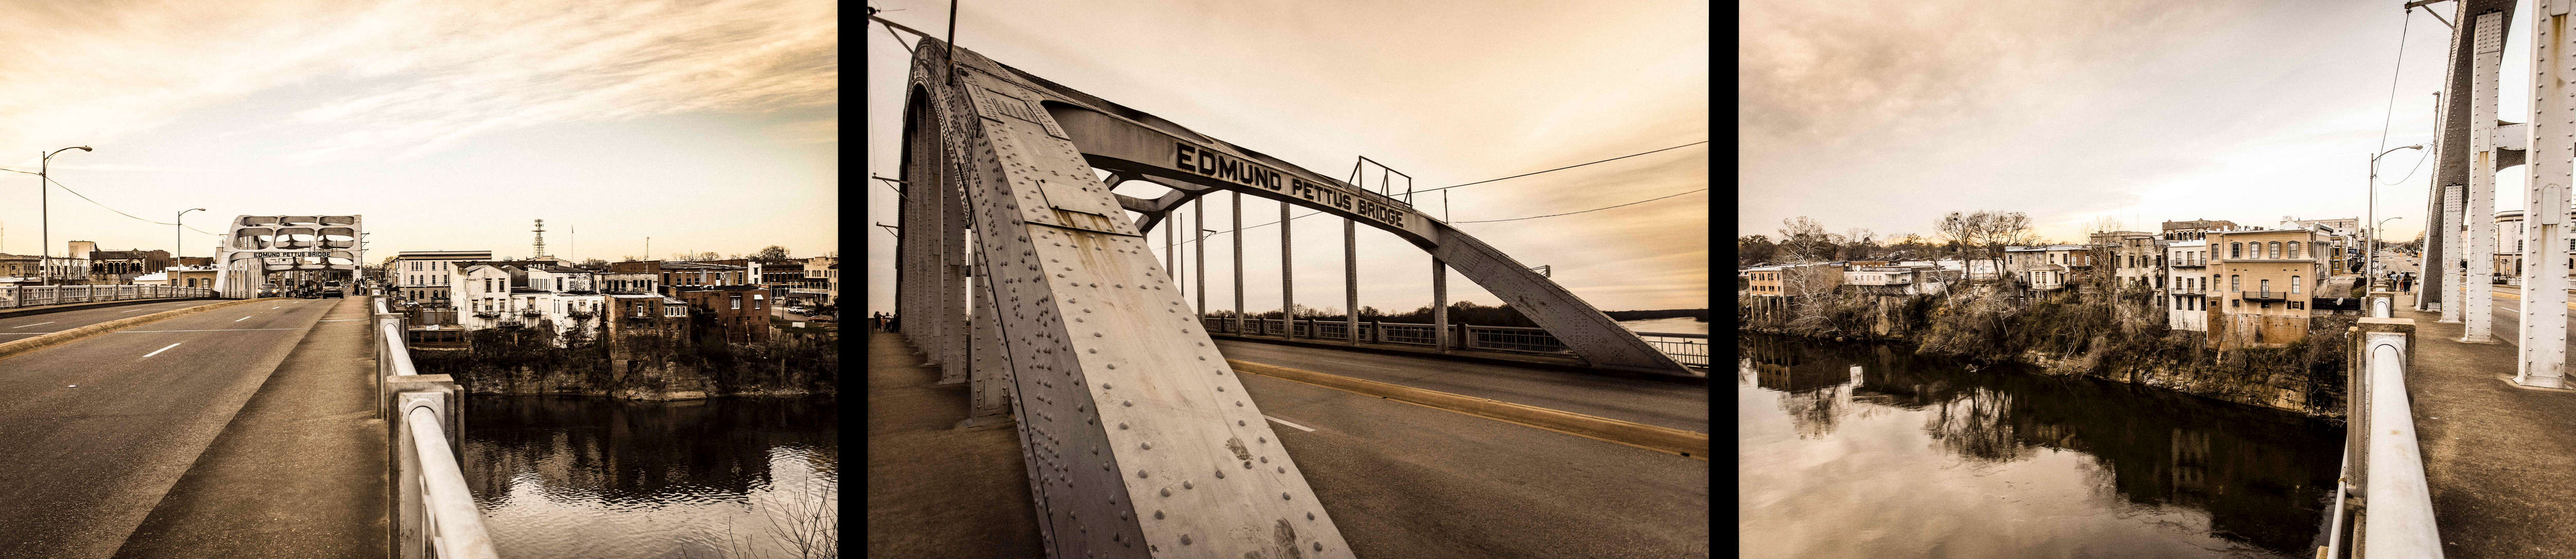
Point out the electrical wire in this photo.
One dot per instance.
(2410, 171)
(1572, 213)
(1563, 168)
(2391, 113)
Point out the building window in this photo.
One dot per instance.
(2276, 249)
(2294, 285)
(2235, 250)
(2234, 303)
(2236, 283)
(2263, 285)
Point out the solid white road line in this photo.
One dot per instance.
(36, 324)
(343, 320)
(123, 312)
(163, 348)
(241, 319)
(1284, 422)
(214, 330)
(23, 333)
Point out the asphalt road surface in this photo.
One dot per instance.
(1653, 403)
(93, 433)
(22, 327)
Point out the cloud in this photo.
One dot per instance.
(407, 78)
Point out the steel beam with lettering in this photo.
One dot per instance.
(1140, 440)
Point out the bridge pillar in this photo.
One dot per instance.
(1287, 279)
(2477, 310)
(1440, 304)
(952, 315)
(989, 381)
(1350, 282)
(2544, 281)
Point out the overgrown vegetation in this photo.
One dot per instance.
(527, 361)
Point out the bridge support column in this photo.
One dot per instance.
(2544, 281)
(1287, 279)
(1350, 282)
(950, 315)
(1440, 304)
(2477, 312)
(990, 388)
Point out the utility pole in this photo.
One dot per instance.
(44, 213)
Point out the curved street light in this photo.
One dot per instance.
(44, 215)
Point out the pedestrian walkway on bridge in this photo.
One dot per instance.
(2498, 458)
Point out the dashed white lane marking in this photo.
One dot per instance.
(214, 330)
(123, 312)
(36, 324)
(342, 320)
(163, 348)
(241, 319)
(1285, 422)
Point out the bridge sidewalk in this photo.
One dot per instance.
(934, 490)
(2499, 459)
(46, 309)
(300, 471)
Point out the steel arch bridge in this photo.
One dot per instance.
(257, 245)
(1138, 436)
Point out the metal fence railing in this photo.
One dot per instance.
(1689, 349)
(31, 296)
(432, 511)
(2383, 483)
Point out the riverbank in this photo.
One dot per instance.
(498, 364)
(2115, 337)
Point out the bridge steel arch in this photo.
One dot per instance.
(1138, 437)
(255, 245)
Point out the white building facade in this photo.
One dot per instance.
(2187, 277)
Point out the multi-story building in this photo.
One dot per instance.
(560, 278)
(741, 311)
(105, 263)
(423, 275)
(19, 266)
(180, 276)
(2194, 230)
(2045, 267)
(1795, 280)
(2269, 277)
(2135, 257)
(823, 273)
(627, 282)
(675, 275)
(788, 273)
(1900, 280)
(2187, 282)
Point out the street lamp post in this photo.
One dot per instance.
(178, 244)
(2370, 243)
(44, 218)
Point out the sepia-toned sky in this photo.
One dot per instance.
(448, 124)
(1449, 92)
(1883, 114)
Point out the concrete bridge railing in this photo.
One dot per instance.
(29, 296)
(1689, 349)
(433, 512)
(2382, 500)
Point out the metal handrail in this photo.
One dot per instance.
(450, 523)
(2400, 523)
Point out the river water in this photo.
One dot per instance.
(1867, 451)
(561, 476)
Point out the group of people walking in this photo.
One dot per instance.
(882, 322)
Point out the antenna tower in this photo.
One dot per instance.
(540, 251)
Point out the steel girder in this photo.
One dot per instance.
(1140, 440)
(2443, 248)
(2487, 52)
(1137, 145)
(2543, 340)
(256, 245)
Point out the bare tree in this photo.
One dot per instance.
(1803, 240)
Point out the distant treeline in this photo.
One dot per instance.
(1701, 314)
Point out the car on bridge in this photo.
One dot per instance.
(332, 289)
(268, 290)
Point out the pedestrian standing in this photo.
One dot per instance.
(894, 323)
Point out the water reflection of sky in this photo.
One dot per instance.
(1855, 451)
(583, 477)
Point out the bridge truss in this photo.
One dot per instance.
(257, 245)
(1139, 438)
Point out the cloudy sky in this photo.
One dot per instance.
(706, 125)
(1883, 114)
(1450, 93)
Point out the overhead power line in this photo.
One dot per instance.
(1563, 168)
(1572, 213)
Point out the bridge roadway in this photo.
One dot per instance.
(98, 434)
(22, 327)
(1401, 480)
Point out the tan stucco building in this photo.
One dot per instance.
(2263, 281)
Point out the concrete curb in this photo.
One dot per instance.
(48, 309)
(1650, 437)
(84, 332)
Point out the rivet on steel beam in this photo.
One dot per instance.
(1158, 515)
(1122, 425)
(1220, 473)
(1167, 492)
(1283, 496)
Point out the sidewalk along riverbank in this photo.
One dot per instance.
(2119, 337)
